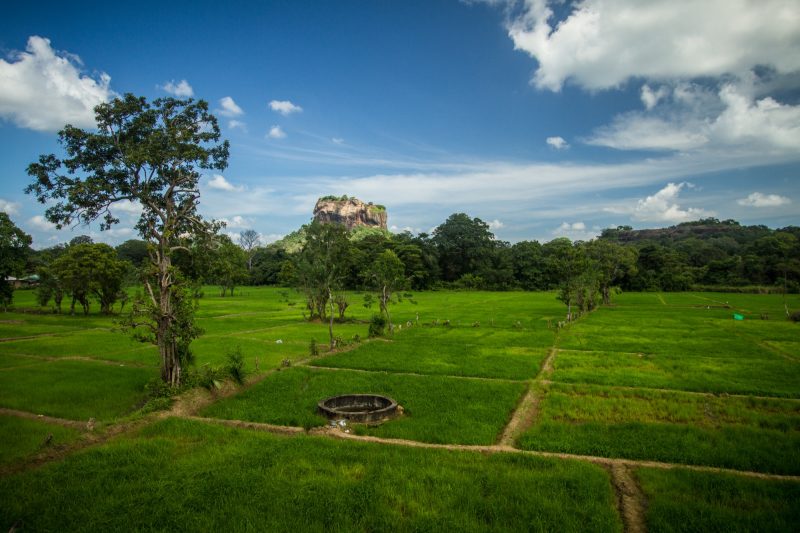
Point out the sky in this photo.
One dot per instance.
(543, 118)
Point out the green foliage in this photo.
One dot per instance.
(235, 365)
(14, 250)
(153, 154)
(377, 326)
(313, 348)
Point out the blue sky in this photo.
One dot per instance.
(544, 119)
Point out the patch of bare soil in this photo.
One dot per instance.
(631, 501)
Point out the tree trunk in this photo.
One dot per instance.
(330, 323)
(167, 347)
(606, 296)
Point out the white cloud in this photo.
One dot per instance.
(576, 231)
(650, 97)
(758, 199)
(182, 89)
(275, 132)
(8, 207)
(229, 108)
(219, 182)
(41, 223)
(558, 143)
(236, 222)
(43, 90)
(603, 43)
(663, 207)
(495, 224)
(690, 117)
(337, 140)
(284, 107)
(237, 124)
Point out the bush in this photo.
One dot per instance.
(313, 348)
(795, 316)
(235, 366)
(377, 326)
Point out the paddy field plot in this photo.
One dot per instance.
(656, 378)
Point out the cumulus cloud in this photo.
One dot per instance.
(758, 199)
(557, 142)
(663, 207)
(219, 182)
(41, 223)
(8, 207)
(236, 222)
(229, 108)
(42, 89)
(495, 225)
(181, 89)
(284, 107)
(603, 43)
(276, 132)
(691, 117)
(650, 97)
(576, 231)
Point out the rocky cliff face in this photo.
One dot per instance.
(350, 212)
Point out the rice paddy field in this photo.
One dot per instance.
(659, 413)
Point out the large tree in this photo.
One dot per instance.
(465, 246)
(14, 248)
(321, 267)
(151, 153)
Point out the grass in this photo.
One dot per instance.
(601, 399)
(742, 433)
(683, 500)
(466, 351)
(186, 476)
(23, 437)
(437, 409)
(76, 390)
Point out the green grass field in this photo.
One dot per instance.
(667, 377)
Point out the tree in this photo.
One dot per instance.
(569, 261)
(611, 262)
(84, 270)
(150, 153)
(14, 249)
(385, 275)
(228, 264)
(465, 246)
(321, 268)
(133, 250)
(249, 240)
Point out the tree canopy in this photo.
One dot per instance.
(150, 153)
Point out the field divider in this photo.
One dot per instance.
(631, 501)
(77, 424)
(605, 462)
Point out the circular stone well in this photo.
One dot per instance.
(359, 407)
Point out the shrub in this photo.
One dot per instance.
(795, 316)
(235, 366)
(313, 348)
(377, 325)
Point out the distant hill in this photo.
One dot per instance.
(708, 228)
(350, 212)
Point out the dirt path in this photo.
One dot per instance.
(631, 502)
(49, 419)
(606, 462)
(528, 408)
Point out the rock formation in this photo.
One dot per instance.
(350, 212)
